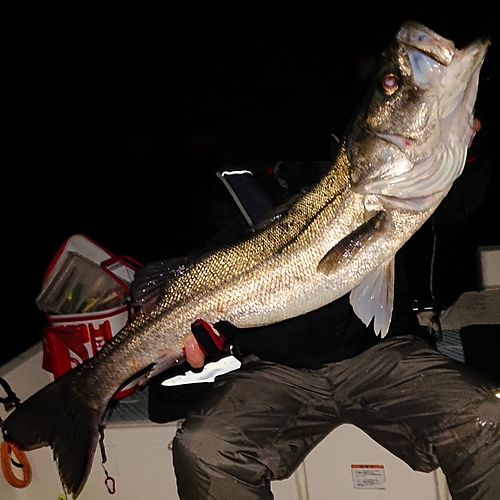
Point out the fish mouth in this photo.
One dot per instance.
(432, 55)
(442, 50)
(419, 169)
(426, 41)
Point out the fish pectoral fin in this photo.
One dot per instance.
(166, 360)
(349, 246)
(373, 298)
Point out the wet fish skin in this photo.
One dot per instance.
(398, 159)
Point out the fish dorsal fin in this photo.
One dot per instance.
(151, 280)
(373, 298)
(349, 246)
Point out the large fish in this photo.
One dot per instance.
(398, 159)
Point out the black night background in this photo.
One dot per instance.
(115, 129)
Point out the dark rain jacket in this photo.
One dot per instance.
(248, 195)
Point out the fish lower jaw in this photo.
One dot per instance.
(402, 142)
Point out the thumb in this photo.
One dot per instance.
(194, 355)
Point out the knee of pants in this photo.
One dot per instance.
(484, 428)
(204, 450)
(194, 445)
(473, 449)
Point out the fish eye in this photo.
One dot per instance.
(389, 83)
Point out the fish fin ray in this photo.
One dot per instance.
(373, 298)
(151, 280)
(165, 361)
(68, 424)
(349, 246)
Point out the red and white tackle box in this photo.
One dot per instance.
(84, 295)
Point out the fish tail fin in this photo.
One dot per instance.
(67, 423)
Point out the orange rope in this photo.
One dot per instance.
(5, 453)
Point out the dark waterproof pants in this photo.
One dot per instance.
(261, 421)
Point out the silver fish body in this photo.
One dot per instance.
(398, 159)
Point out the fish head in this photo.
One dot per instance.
(408, 141)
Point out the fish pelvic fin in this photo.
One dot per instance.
(348, 247)
(68, 424)
(167, 359)
(373, 298)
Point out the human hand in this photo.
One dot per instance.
(476, 127)
(194, 354)
(206, 340)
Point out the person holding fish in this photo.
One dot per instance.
(315, 305)
(303, 377)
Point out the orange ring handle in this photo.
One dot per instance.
(5, 452)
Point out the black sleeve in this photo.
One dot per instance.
(219, 217)
(328, 334)
(309, 340)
